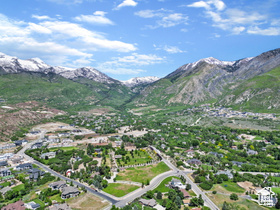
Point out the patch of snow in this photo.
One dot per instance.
(140, 80)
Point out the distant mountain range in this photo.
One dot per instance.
(250, 84)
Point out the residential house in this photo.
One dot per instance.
(266, 197)
(59, 185)
(37, 145)
(69, 192)
(236, 163)
(194, 162)
(21, 142)
(63, 206)
(190, 153)
(150, 203)
(176, 183)
(3, 163)
(35, 174)
(234, 147)
(24, 166)
(4, 190)
(48, 155)
(6, 156)
(19, 205)
(32, 205)
(118, 156)
(69, 172)
(218, 155)
(185, 193)
(5, 172)
(228, 173)
(252, 152)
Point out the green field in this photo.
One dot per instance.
(18, 188)
(232, 187)
(143, 173)
(41, 203)
(140, 158)
(276, 189)
(162, 188)
(63, 148)
(5, 184)
(56, 198)
(119, 190)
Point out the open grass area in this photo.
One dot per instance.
(87, 201)
(119, 190)
(276, 189)
(56, 198)
(63, 148)
(18, 188)
(41, 203)
(5, 184)
(139, 157)
(232, 187)
(162, 188)
(219, 199)
(143, 173)
(275, 178)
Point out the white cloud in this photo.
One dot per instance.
(129, 64)
(126, 3)
(67, 1)
(98, 17)
(42, 17)
(169, 49)
(238, 21)
(33, 27)
(166, 18)
(271, 31)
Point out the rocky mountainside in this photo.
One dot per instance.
(211, 80)
(136, 81)
(11, 64)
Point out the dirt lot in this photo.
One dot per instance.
(87, 202)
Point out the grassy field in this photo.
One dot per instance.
(219, 199)
(143, 173)
(18, 188)
(87, 201)
(5, 184)
(232, 187)
(276, 189)
(139, 158)
(162, 188)
(56, 198)
(41, 203)
(63, 148)
(119, 190)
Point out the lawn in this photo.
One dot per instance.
(276, 189)
(62, 148)
(56, 198)
(87, 201)
(5, 184)
(219, 199)
(18, 188)
(275, 178)
(143, 173)
(162, 188)
(119, 190)
(232, 187)
(140, 157)
(41, 203)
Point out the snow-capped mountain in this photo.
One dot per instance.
(10, 64)
(133, 82)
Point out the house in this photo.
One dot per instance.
(24, 166)
(48, 155)
(252, 152)
(190, 153)
(69, 192)
(3, 163)
(185, 193)
(118, 156)
(266, 197)
(218, 155)
(228, 173)
(98, 150)
(6, 156)
(238, 164)
(5, 172)
(69, 172)
(37, 145)
(19, 205)
(234, 147)
(150, 203)
(35, 174)
(20, 142)
(194, 162)
(58, 185)
(176, 183)
(57, 206)
(32, 205)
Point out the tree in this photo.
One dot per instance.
(178, 201)
(159, 195)
(233, 196)
(200, 201)
(150, 194)
(188, 186)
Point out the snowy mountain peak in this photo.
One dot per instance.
(214, 61)
(140, 81)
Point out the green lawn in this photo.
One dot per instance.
(275, 178)
(62, 148)
(143, 173)
(56, 198)
(119, 190)
(162, 188)
(5, 184)
(18, 188)
(232, 187)
(140, 158)
(276, 189)
(41, 203)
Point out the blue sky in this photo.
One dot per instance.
(135, 38)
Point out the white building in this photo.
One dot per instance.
(266, 197)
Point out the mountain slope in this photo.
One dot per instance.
(208, 80)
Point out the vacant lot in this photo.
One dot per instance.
(119, 190)
(143, 173)
(219, 199)
(228, 188)
(87, 202)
